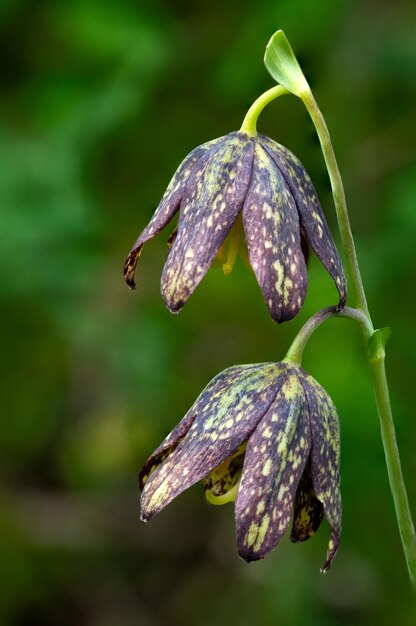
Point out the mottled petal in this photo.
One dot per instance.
(214, 388)
(167, 208)
(333, 546)
(225, 417)
(275, 459)
(312, 218)
(214, 196)
(167, 446)
(221, 485)
(272, 229)
(325, 458)
(309, 511)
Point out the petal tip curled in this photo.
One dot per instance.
(332, 550)
(130, 267)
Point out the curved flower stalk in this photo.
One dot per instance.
(266, 435)
(256, 177)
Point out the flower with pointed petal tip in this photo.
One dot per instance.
(268, 185)
(266, 435)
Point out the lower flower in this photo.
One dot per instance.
(266, 436)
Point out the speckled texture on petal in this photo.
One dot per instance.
(213, 198)
(214, 388)
(166, 448)
(312, 218)
(167, 208)
(309, 511)
(272, 229)
(325, 457)
(275, 459)
(225, 418)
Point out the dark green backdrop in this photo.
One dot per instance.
(100, 100)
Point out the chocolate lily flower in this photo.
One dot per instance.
(260, 179)
(267, 435)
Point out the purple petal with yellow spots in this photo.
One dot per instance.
(309, 511)
(325, 458)
(213, 197)
(276, 456)
(312, 218)
(167, 208)
(226, 415)
(166, 447)
(216, 386)
(272, 229)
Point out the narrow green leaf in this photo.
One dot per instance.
(282, 65)
(377, 343)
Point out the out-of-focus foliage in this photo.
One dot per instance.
(99, 102)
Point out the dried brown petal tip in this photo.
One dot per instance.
(130, 267)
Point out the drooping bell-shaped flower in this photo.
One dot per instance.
(253, 176)
(266, 435)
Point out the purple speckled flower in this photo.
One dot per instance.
(266, 435)
(265, 183)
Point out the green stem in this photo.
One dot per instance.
(339, 200)
(295, 352)
(394, 469)
(249, 124)
(377, 363)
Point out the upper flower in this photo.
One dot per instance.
(264, 181)
(267, 434)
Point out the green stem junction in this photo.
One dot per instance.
(295, 352)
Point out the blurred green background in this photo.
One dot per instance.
(100, 101)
